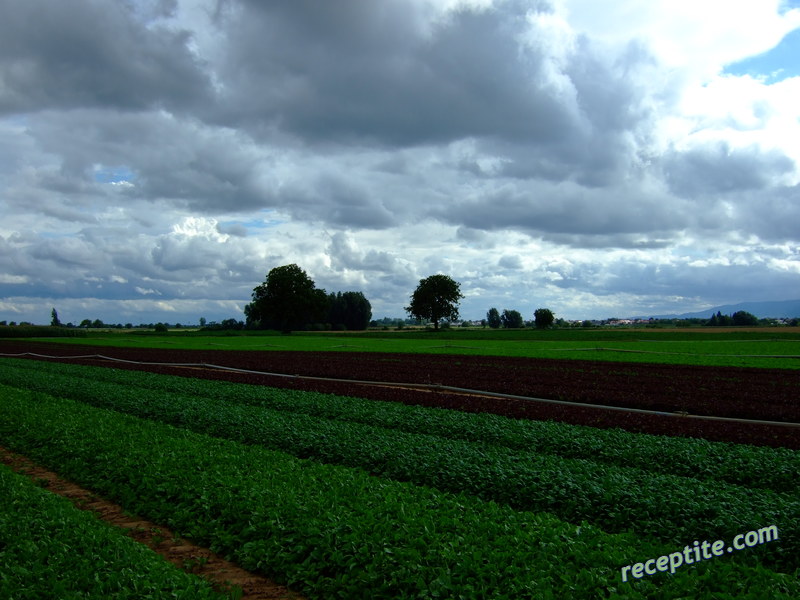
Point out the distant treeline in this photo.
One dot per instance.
(26, 330)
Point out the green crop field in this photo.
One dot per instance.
(50, 549)
(350, 498)
(763, 347)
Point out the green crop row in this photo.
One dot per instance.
(50, 549)
(335, 532)
(775, 469)
(613, 497)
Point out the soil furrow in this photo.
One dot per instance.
(180, 552)
(738, 392)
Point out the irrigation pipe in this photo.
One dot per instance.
(420, 386)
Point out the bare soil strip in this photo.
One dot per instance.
(736, 392)
(186, 555)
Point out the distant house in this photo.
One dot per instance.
(618, 322)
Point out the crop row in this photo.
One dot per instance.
(775, 388)
(50, 549)
(616, 498)
(776, 469)
(337, 532)
(750, 393)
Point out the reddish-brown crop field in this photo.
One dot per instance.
(744, 393)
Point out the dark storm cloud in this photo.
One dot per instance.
(67, 253)
(204, 169)
(783, 212)
(718, 169)
(772, 215)
(609, 122)
(92, 53)
(388, 74)
(334, 199)
(344, 255)
(234, 229)
(716, 282)
(379, 71)
(109, 263)
(511, 262)
(574, 215)
(474, 237)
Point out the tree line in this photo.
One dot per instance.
(740, 318)
(289, 300)
(543, 318)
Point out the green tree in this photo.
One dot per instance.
(349, 310)
(512, 319)
(543, 317)
(54, 322)
(742, 317)
(287, 300)
(493, 318)
(720, 320)
(435, 299)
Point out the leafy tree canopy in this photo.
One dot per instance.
(543, 318)
(436, 299)
(743, 317)
(349, 310)
(287, 300)
(512, 319)
(493, 318)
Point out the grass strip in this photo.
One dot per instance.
(50, 549)
(776, 469)
(339, 533)
(697, 347)
(614, 498)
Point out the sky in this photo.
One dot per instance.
(602, 159)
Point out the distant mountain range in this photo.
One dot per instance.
(763, 310)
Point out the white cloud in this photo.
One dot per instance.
(684, 34)
(146, 292)
(14, 279)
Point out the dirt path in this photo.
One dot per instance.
(186, 555)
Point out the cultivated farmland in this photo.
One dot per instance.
(358, 491)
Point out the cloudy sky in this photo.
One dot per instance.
(618, 158)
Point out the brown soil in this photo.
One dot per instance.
(668, 390)
(186, 555)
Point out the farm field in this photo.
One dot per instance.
(757, 347)
(489, 520)
(676, 391)
(50, 549)
(347, 490)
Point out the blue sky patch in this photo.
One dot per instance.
(782, 62)
(106, 174)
